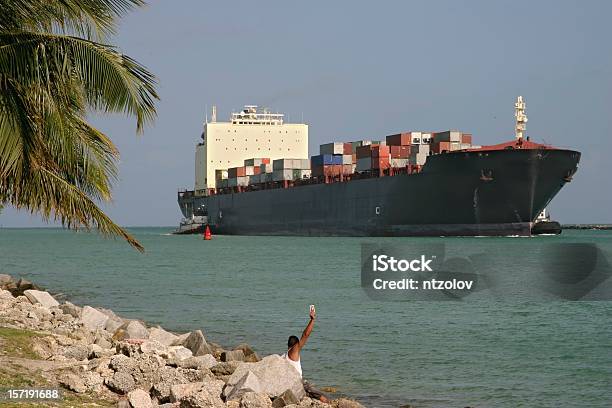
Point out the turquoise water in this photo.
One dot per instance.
(484, 352)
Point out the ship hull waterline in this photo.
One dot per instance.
(464, 193)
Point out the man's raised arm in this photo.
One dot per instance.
(308, 329)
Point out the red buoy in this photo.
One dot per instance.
(207, 234)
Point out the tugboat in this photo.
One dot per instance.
(544, 226)
(196, 224)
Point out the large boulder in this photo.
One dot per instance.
(233, 355)
(168, 377)
(248, 383)
(255, 400)
(92, 318)
(164, 337)
(274, 373)
(121, 382)
(139, 399)
(181, 391)
(5, 279)
(286, 398)
(197, 343)
(73, 382)
(70, 309)
(199, 362)
(178, 353)
(41, 297)
(225, 368)
(132, 329)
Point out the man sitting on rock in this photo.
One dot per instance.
(294, 346)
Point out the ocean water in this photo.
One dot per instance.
(485, 352)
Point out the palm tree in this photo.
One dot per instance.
(55, 68)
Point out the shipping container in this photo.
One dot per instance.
(337, 159)
(321, 160)
(249, 170)
(347, 159)
(397, 162)
(348, 148)
(254, 179)
(380, 151)
(400, 139)
(380, 163)
(442, 147)
(265, 168)
(241, 181)
(220, 174)
(448, 136)
(426, 138)
(466, 138)
(364, 163)
(283, 174)
(234, 172)
(416, 137)
(399, 152)
(364, 151)
(347, 169)
(282, 164)
(332, 148)
(420, 148)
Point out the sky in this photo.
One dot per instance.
(363, 70)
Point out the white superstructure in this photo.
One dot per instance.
(250, 133)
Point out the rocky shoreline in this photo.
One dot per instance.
(99, 358)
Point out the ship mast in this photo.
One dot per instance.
(521, 118)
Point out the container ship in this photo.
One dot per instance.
(253, 177)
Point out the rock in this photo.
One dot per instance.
(162, 336)
(70, 309)
(179, 353)
(197, 343)
(180, 339)
(234, 355)
(249, 383)
(275, 375)
(232, 404)
(92, 318)
(246, 349)
(255, 400)
(310, 403)
(286, 398)
(252, 358)
(41, 297)
(167, 378)
(202, 399)
(199, 362)
(139, 399)
(121, 382)
(5, 279)
(346, 403)
(96, 351)
(113, 323)
(123, 403)
(132, 329)
(79, 352)
(154, 347)
(225, 368)
(74, 383)
(179, 391)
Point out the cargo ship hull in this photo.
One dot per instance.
(463, 193)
